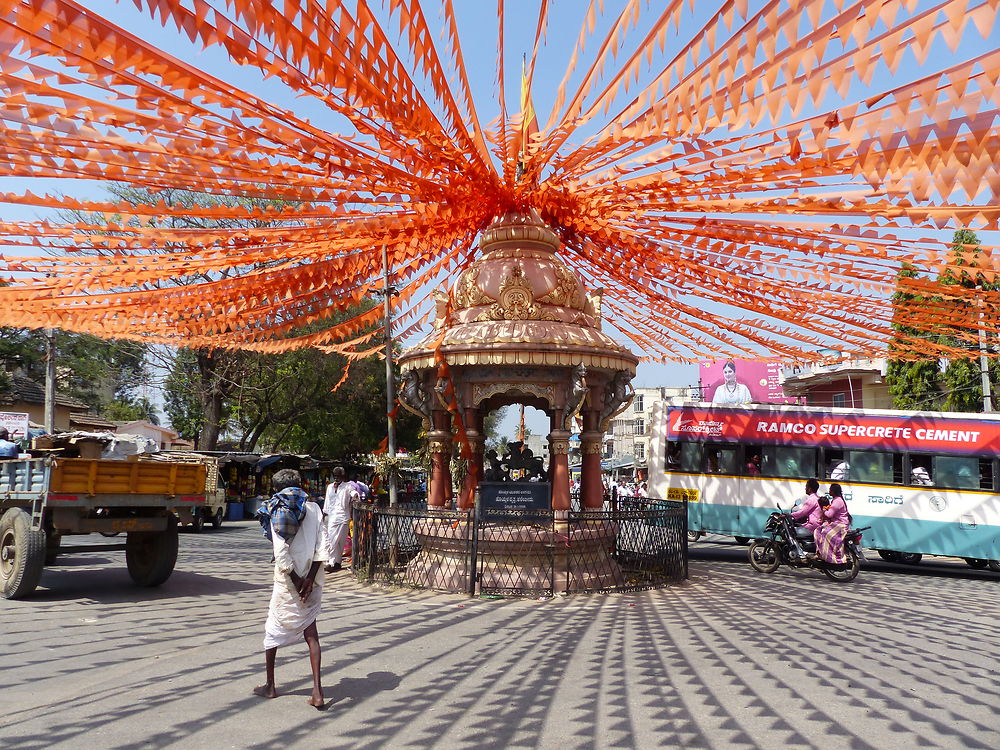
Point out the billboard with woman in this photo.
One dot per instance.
(731, 382)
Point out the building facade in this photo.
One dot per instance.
(849, 383)
(626, 443)
(164, 437)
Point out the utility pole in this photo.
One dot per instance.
(984, 370)
(390, 385)
(50, 380)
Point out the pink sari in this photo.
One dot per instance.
(830, 543)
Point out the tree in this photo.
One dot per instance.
(286, 402)
(491, 429)
(914, 383)
(95, 371)
(210, 376)
(277, 401)
(181, 400)
(962, 378)
(348, 421)
(130, 411)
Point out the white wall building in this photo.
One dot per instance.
(163, 436)
(628, 436)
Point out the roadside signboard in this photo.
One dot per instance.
(16, 424)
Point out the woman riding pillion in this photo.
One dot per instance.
(836, 521)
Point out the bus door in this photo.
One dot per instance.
(720, 496)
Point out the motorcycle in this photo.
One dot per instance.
(767, 554)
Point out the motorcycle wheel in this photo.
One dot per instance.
(764, 558)
(846, 573)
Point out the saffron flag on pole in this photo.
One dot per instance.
(529, 120)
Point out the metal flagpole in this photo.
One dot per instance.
(390, 386)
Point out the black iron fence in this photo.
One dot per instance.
(636, 544)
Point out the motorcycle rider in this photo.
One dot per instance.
(812, 511)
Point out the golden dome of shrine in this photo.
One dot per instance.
(519, 303)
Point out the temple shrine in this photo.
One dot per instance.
(518, 327)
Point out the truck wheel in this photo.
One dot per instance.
(197, 520)
(217, 519)
(151, 555)
(22, 554)
(52, 543)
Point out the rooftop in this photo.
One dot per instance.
(25, 390)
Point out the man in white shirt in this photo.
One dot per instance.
(337, 507)
(841, 472)
(920, 477)
(294, 524)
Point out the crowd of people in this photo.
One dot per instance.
(623, 489)
(629, 489)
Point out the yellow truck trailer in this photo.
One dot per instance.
(43, 500)
(214, 510)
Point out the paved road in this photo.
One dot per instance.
(730, 659)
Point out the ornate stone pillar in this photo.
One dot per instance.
(474, 475)
(559, 468)
(591, 487)
(439, 445)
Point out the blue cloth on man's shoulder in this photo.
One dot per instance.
(283, 512)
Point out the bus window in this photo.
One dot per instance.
(720, 460)
(837, 467)
(958, 472)
(691, 457)
(877, 468)
(921, 471)
(986, 474)
(673, 455)
(788, 462)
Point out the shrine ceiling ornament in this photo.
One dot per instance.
(741, 183)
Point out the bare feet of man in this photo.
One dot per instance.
(317, 701)
(265, 691)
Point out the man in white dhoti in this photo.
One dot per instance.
(337, 507)
(294, 524)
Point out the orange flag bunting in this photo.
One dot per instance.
(766, 178)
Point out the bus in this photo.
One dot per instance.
(928, 483)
